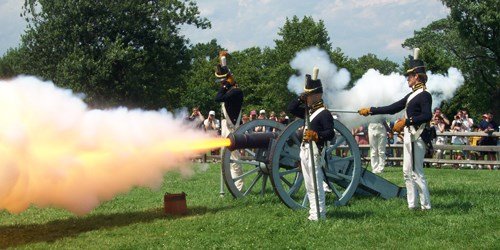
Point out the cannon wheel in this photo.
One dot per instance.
(342, 170)
(255, 171)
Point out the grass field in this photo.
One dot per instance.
(465, 215)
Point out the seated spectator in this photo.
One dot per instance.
(196, 118)
(441, 140)
(467, 122)
(439, 125)
(272, 116)
(283, 118)
(439, 114)
(457, 126)
(361, 136)
(262, 116)
(488, 126)
(211, 125)
(474, 141)
(245, 118)
(253, 115)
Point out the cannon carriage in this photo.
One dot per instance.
(272, 157)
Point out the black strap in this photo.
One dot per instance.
(412, 148)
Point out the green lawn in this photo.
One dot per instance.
(465, 215)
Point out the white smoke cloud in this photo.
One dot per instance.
(443, 87)
(371, 90)
(306, 59)
(54, 151)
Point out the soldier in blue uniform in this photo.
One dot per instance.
(231, 99)
(320, 131)
(417, 106)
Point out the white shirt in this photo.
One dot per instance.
(209, 126)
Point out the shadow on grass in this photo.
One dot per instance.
(348, 214)
(18, 235)
(446, 192)
(459, 207)
(462, 193)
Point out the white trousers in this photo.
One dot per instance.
(306, 164)
(377, 136)
(236, 169)
(413, 172)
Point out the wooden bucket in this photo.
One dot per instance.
(175, 204)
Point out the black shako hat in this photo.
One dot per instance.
(313, 86)
(416, 67)
(222, 71)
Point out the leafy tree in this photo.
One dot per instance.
(10, 64)
(340, 59)
(248, 68)
(370, 61)
(262, 74)
(199, 88)
(295, 35)
(205, 51)
(444, 46)
(479, 23)
(117, 52)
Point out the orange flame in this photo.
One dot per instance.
(54, 151)
(201, 145)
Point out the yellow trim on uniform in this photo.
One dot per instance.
(221, 76)
(310, 90)
(411, 70)
(419, 85)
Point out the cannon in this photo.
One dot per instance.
(273, 157)
(254, 158)
(253, 140)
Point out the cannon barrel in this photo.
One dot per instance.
(254, 140)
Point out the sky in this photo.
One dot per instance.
(358, 27)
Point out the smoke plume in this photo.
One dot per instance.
(55, 151)
(372, 90)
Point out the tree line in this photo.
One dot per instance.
(130, 53)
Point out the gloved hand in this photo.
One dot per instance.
(364, 111)
(310, 135)
(399, 125)
(303, 97)
(390, 134)
(223, 53)
(226, 85)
